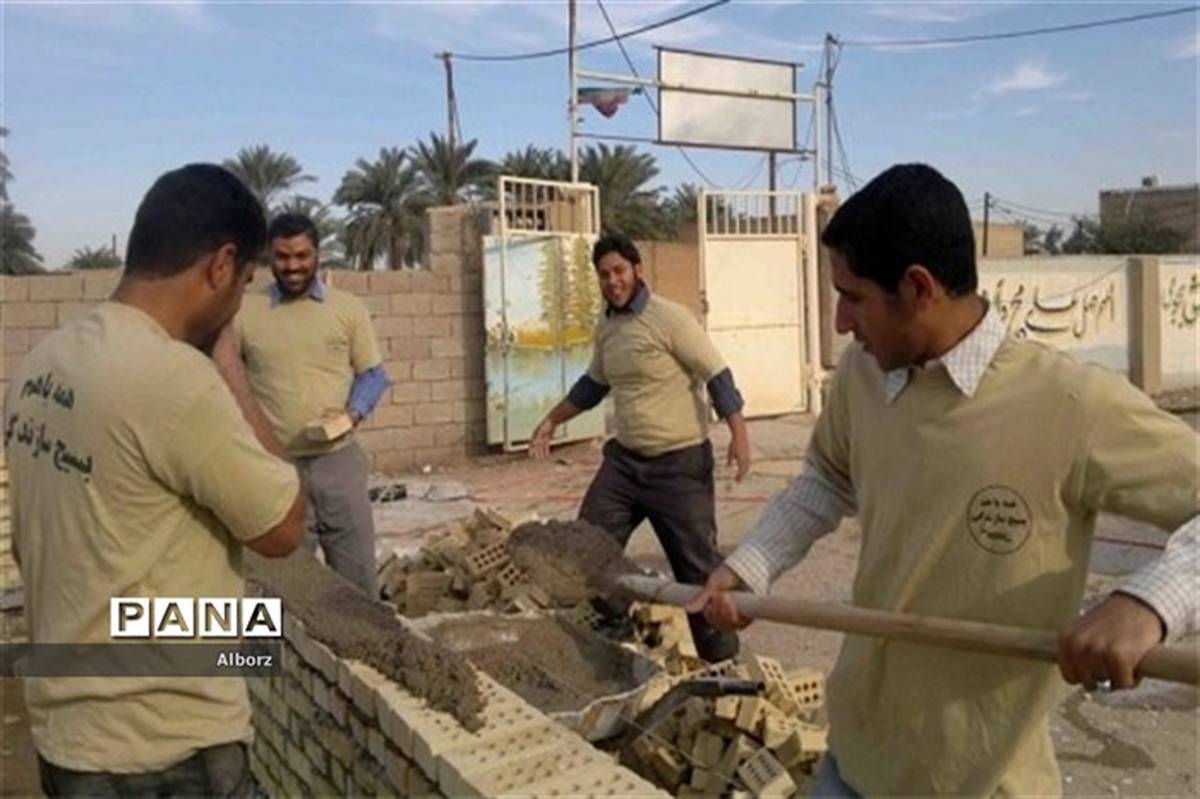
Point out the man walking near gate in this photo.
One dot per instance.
(311, 355)
(655, 358)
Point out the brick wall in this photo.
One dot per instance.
(429, 324)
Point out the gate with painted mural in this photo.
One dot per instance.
(758, 268)
(541, 305)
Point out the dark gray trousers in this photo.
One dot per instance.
(339, 518)
(675, 492)
(218, 771)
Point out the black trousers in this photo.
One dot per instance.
(675, 492)
(218, 771)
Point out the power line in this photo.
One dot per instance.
(629, 61)
(586, 45)
(986, 37)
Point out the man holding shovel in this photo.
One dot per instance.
(976, 464)
(654, 356)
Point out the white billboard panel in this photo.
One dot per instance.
(689, 116)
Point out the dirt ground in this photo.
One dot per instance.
(1134, 743)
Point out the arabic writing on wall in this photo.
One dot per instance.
(1078, 313)
(1181, 301)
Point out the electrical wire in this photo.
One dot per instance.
(987, 37)
(629, 61)
(587, 45)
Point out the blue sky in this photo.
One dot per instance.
(101, 98)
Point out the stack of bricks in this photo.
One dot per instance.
(764, 745)
(429, 323)
(463, 567)
(334, 727)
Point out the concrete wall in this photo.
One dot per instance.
(429, 324)
(1178, 309)
(1005, 240)
(1174, 207)
(673, 270)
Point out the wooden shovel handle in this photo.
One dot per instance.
(1175, 663)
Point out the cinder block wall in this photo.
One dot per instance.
(429, 323)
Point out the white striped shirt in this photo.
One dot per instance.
(815, 503)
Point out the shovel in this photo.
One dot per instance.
(1174, 663)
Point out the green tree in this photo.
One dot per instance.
(585, 302)
(95, 258)
(330, 228)
(680, 207)
(268, 174)
(18, 256)
(5, 173)
(386, 210)
(552, 286)
(537, 163)
(627, 204)
(450, 176)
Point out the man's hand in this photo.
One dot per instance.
(226, 353)
(715, 603)
(1108, 642)
(739, 445)
(539, 445)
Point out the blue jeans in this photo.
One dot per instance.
(829, 783)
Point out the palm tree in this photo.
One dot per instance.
(384, 201)
(5, 173)
(268, 174)
(18, 256)
(449, 176)
(626, 203)
(95, 258)
(536, 162)
(329, 228)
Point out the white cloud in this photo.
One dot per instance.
(1189, 48)
(128, 18)
(1076, 97)
(1026, 111)
(1028, 76)
(934, 13)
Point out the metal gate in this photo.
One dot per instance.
(541, 305)
(758, 288)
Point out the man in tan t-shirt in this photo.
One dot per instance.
(311, 354)
(656, 359)
(976, 464)
(140, 466)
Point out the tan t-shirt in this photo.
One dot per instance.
(301, 357)
(982, 509)
(133, 474)
(656, 361)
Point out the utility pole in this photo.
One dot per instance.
(771, 188)
(987, 208)
(451, 103)
(573, 105)
(830, 42)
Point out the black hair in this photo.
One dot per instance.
(189, 212)
(909, 214)
(618, 243)
(285, 226)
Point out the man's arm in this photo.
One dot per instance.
(1157, 603)
(1142, 463)
(587, 393)
(812, 506)
(227, 357)
(728, 403)
(365, 391)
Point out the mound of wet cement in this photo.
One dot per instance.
(338, 615)
(551, 664)
(571, 561)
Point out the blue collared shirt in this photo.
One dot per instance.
(369, 385)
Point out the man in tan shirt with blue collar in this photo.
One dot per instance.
(655, 358)
(976, 465)
(311, 354)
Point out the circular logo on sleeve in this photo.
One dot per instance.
(999, 519)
